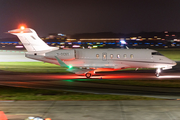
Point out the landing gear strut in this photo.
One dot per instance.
(88, 75)
(158, 71)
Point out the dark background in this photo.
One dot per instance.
(90, 16)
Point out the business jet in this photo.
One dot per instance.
(89, 61)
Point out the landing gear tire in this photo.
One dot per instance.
(157, 74)
(88, 75)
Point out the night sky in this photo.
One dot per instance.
(89, 16)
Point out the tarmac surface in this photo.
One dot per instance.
(60, 82)
(71, 82)
(93, 110)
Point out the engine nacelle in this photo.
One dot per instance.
(61, 54)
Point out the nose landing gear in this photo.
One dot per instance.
(158, 71)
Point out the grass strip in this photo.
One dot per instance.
(13, 93)
(31, 67)
(171, 53)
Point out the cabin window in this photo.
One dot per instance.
(125, 56)
(131, 56)
(104, 56)
(118, 56)
(111, 56)
(97, 55)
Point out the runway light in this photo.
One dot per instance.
(18, 46)
(35, 118)
(95, 46)
(123, 42)
(47, 118)
(76, 46)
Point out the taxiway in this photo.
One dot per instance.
(75, 83)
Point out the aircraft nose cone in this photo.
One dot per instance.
(174, 63)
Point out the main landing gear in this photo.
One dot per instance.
(158, 71)
(88, 75)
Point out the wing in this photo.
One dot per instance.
(73, 69)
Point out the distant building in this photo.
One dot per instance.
(104, 40)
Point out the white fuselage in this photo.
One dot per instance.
(105, 58)
(86, 60)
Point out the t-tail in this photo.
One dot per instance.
(31, 40)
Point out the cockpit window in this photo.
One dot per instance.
(156, 53)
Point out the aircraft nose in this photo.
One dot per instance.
(174, 63)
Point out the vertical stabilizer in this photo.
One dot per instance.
(30, 40)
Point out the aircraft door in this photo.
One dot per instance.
(75, 53)
(104, 56)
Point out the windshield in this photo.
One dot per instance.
(156, 53)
